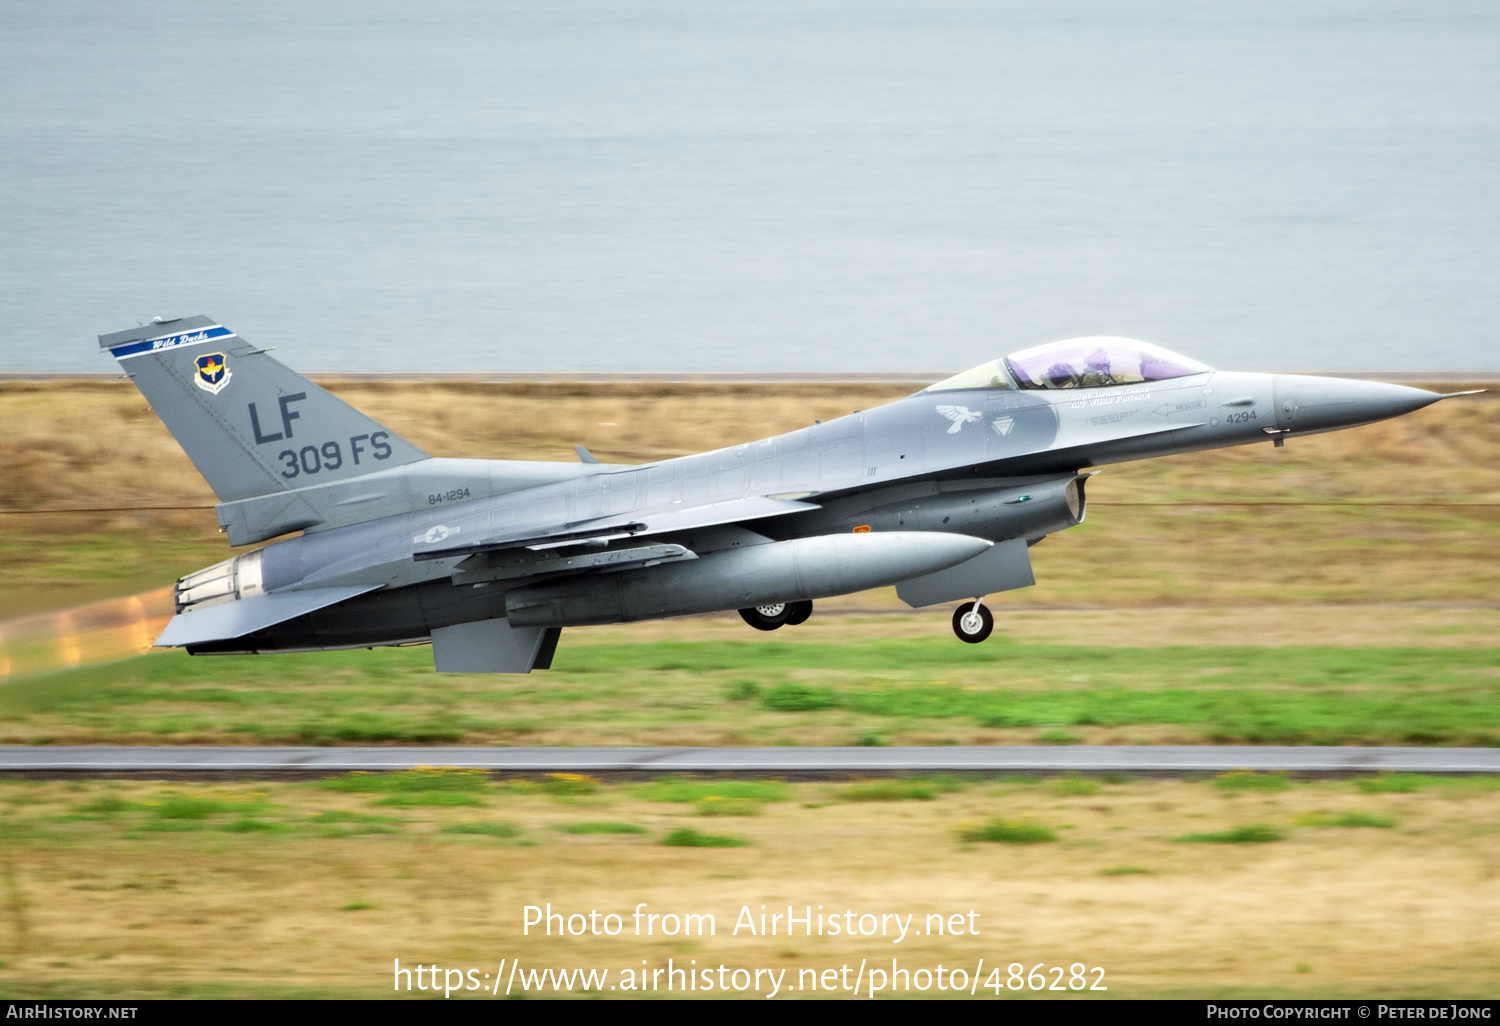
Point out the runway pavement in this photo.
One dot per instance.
(812, 762)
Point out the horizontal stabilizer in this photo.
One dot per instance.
(229, 620)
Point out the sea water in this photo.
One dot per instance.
(754, 186)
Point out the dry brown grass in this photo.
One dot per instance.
(98, 444)
(1328, 911)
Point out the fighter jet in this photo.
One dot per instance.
(940, 493)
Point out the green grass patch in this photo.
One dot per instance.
(356, 906)
(1346, 819)
(600, 828)
(1476, 783)
(558, 785)
(714, 805)
(423, 779)
(1071, 785)
(889, 791)
(687, 837)
(741, 690)
(798, 698)
(569, 785)
(492, 828)
(342, 823)
(333, 832)
(422, 799)
(410, 789)
(344, 816)
(107, 806)
(1003, 832)
(912, 789)
(677, 790)
(174, 826)
(252, 826)
(1399, 783)
(1255, 833)
(1245, 780)
(1126, 871)
(183, 806)
(360, 728)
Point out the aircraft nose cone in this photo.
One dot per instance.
(1306, 403)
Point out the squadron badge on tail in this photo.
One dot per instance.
(213, 373)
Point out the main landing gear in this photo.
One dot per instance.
(973, 622)
(777, 614)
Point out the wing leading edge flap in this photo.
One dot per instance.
(246, 616)
(752, 507)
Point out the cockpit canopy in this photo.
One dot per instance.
(1077, 363)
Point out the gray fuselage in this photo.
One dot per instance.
(999, 464)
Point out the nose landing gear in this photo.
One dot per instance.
(973, 622)
(776, 614)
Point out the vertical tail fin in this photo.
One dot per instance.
(249, 424)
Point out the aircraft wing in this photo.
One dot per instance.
(634, 525)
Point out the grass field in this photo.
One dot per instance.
(841, 681)
(1241, 885)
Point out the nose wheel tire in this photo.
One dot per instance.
(767, 617)
(798, 612)
(972, 622)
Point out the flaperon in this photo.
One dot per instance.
(940, 494)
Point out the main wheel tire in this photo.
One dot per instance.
(798, 612)
(767, 617)
(973, 622)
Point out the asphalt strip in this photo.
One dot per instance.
(812, 762)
